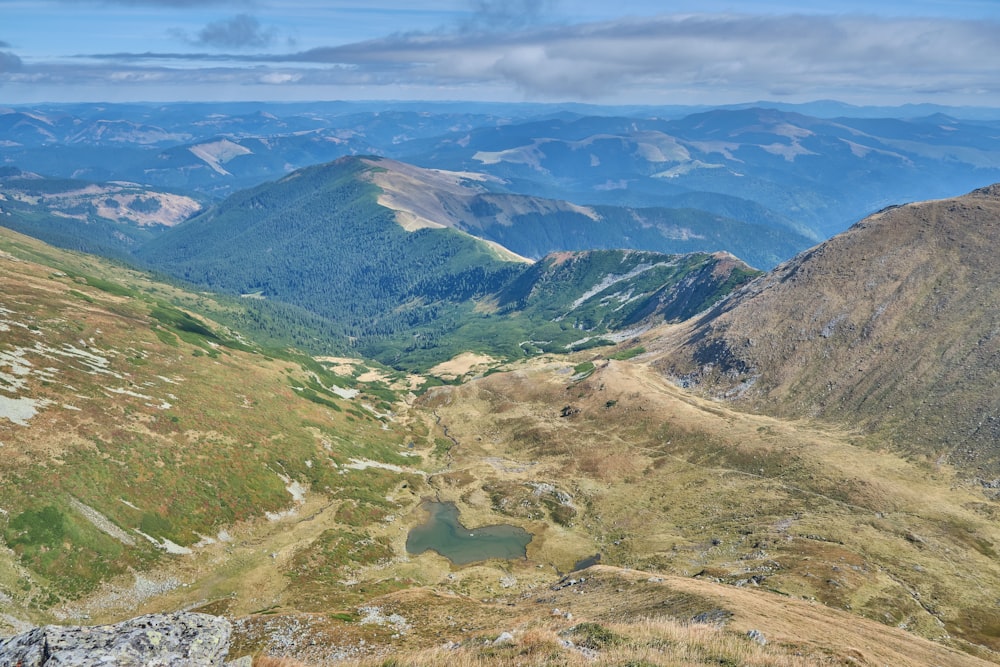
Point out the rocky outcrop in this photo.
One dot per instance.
(156, 640)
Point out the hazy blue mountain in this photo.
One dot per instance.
(796, 178)
(110, 219)
(822, 174)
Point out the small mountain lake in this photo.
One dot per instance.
(445, 534)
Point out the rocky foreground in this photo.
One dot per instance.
(156, 640)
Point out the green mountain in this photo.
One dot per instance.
(534, 226)
(365, 248)
(612, 290)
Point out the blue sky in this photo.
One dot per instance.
(629, 51)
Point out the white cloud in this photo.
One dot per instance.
(278, 78)
(800, 54)
(710, 58)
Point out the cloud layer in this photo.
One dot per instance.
(686, 58)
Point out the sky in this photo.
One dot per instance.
(865, 52)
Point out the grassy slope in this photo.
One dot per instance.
(835, 554)
(625, 617)
(890, 326)
(159, 421)
(664, 481)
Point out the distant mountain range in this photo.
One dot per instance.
(821, 174)
(807, 454)
(760, 165)
(379, 249)
(110, 218)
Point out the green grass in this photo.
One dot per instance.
(628, 353)
(36, 528)
(595, 636)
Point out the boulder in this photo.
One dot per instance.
(156, 640)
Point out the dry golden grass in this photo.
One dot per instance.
(889, 326)
(267, 661)
(669, 482)
(462, 365)
(641, 642)
(612, 617)
(647, 642)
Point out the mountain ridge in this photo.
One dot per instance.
(531, 226)
(888, 326)
(318, 239)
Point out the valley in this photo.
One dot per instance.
(253, 402)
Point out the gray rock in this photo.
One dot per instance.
(504, 638)
(713, 617)
(157, 640)
(757, 636)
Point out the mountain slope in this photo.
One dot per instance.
(104, 218)
(317, 239)
(404, 284)
(618, 461)
(614, 290)
(891, 327)
(136, 434)
(533, 226)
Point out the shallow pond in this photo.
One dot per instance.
(445, 534)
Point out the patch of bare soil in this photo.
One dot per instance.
(463, 365)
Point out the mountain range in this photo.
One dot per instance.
(759, 165)
(111, 219)
(250, 403)
(330, 239)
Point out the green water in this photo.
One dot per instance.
(445, 534)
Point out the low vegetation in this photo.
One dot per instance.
(157, 458)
